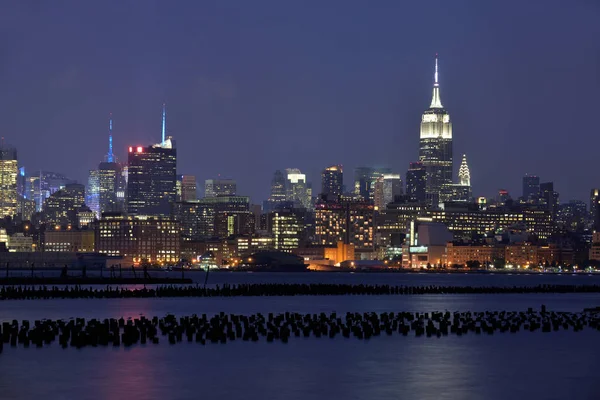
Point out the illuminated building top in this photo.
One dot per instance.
(464, 176)
(435, 122)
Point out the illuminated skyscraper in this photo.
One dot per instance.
(332, 180)
(62, 206)
(464, 175)
(8, 181)
(297, 190)
(92, 192)
(152, 176)
(435, 150)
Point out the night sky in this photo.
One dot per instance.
(255, 86)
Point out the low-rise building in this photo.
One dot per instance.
(69, 240)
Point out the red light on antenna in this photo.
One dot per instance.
(139, 149)
(130, 149)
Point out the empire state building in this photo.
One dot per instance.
(435, 149)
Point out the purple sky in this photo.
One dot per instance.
(253, 86)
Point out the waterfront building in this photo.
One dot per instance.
(69, 240)
(425, 245)
(8, 181)
(351, 222)
(435, 148)
(141, 239)
(287, 227)
(151, 179)
(220, 187)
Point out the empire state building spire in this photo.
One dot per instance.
(436, 102)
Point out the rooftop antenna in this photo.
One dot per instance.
(110, 156)
(164, 121)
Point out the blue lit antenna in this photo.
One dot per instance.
(164, 122)
(110, 157)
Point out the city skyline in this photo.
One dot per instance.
(496, 101)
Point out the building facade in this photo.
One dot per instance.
(151, 182)
(144, 240)
(435, 148)
(220, 187)
(332, 181)
(8, 181)
(416, 182)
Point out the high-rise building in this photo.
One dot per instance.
(351, 222)
(287, 228)
(572, 215)
(332, 181)
(549, 198)
(595, 209)
(435, 149)
(464, 175)
(531, 188)
(110, 184)
(416, 182)
(8, 181)
(151, 179)
(219, 187)
(364, 181)
(188, 188)
(92, 192)
(61, 207)
(297, 190)
(387, 188)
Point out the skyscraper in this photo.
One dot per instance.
(277, 187)
(416, 182)
(62, 206)
(364, 181)
(595, 209)
(297, 190)
(152, 176)
(220, 187)
(332, 180)
(188, 188)
(464, 175)
(531, 188)
(435, 150)
(92, 192)
(387, 188)
(549, 198)
(8, 181)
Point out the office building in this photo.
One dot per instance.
(595, 209)
(62, 206)
(140, 240)
(188, 189)
(332, 181)
(151, 179)
(287, 227)
(549, 198)
(351, 222)
(572, 216)
(220, 187)
(8, 181)
(416, 182)
(297, 190)
(69, 240)
(435, 149)
(365, 179)
(531, 188)
(387, 188)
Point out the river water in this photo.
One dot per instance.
(557, 365)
